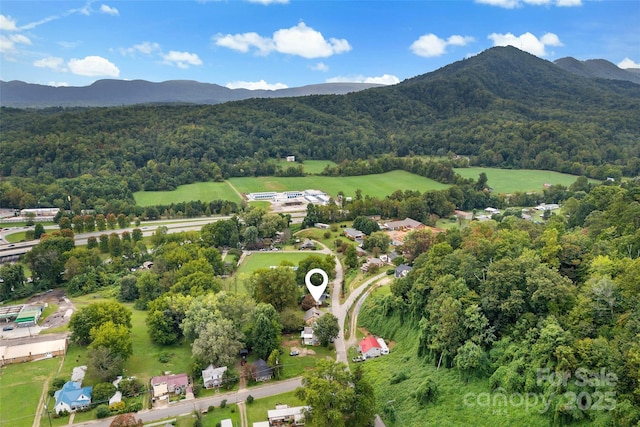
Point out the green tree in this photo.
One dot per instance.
(366, 225)
(351, 256)
(218, 342)
(38, 231)
(47, 260)
(274, 361)
(102, 392)
(128, 288)
(94, 315)
(115, 245)
(326, 328)
(379, 239)
(275, 286)
(337, 397)
(104, 365)
(115, 337)
(13, 280)
(266, 330)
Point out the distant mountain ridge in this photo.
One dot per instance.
(109, 93)
(598, 68)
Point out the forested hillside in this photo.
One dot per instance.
(545, 312)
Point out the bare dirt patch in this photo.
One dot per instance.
(65, 307)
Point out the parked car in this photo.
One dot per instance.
(294, 353)
(8, 328)
(358, 359)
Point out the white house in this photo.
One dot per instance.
(370, 347)
(308, 337)
(72, 396)
(285, 415)
(383, 346)
(212, 377)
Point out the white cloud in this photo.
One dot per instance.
(244, 42)
(431, 45)
(320, 66)
(93, 66)
(512, 4)
(109, 10)
(7, 23)
(299, 40)
(628, 63)
(527, 42)
(8, 43)
(182, 59)
(146, 48)
(256, 85)
(58, 84)
(385, 79)
(52, 62)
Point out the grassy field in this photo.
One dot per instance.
(205, 191)
(522, 180)
(315, 167)
(378, 185)
(459, 403)
(257, 410)
(256, 261)
(20, 388)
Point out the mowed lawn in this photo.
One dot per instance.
(315, 167)
(204, 191)
(21, 385)
(256, 261)
(257, 410)
(518, 180)
(378, 185)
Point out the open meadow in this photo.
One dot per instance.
(378, 185)
(518, 180)
(258, 260)
(204, 191)
(315, 167)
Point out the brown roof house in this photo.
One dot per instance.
(164, 386)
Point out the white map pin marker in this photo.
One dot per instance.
(316, 291)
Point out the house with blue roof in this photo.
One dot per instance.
(72, 397)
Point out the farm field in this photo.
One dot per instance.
(315, 167)
(378, 185)
(204, 191)
(522, 180)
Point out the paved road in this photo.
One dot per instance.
(187, 407)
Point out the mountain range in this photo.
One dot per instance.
(109, 92)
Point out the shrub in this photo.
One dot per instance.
(197, 388)
(117, 406)
(58, 383)
(327, 234)
(249, 399)
(134, 407)
(427, 392)
(210, 408)
(102, 411)
(164, 357)
(398, 377)
(223, 404)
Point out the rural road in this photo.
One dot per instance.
(186, 407)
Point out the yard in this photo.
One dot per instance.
(257, 410)
(258, 260)
(20, 388)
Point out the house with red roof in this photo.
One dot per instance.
(165, 385)
(370, 347)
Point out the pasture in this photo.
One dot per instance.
(204, 191)
(378, 185)
(518, 180)
(315, 167)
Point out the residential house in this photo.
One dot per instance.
(370, 347)
(283, 415)
(492, 211)
(311, 315)
(261, 371)
(402, 270)
(353, 234)
(321, 225)
(307, 244)
(462, 215)
(371, 262)
(291, 158)
(72, 397)
(212, 377)
(405, 224)
(164, 385)
(308, 337)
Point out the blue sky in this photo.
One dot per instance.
(270, 44)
